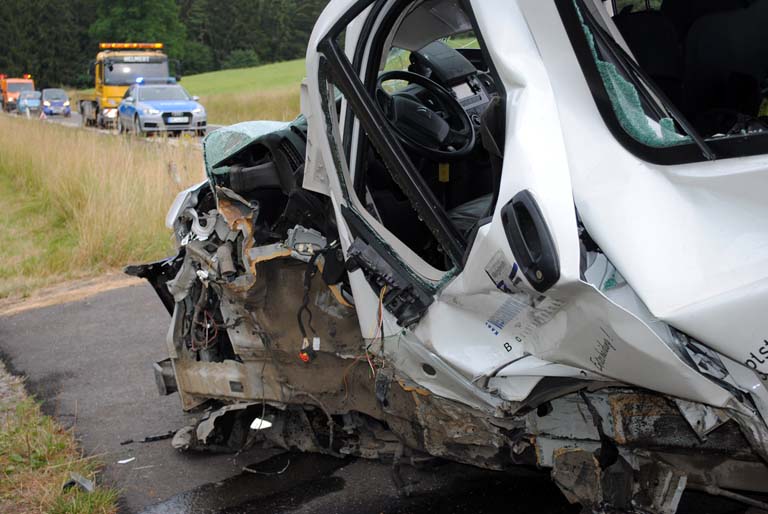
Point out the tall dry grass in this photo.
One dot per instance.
(277, 104)
(85, 202)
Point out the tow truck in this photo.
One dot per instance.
(11, 87)
(117, 66)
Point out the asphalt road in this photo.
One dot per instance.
(89, 362)
(75, 121)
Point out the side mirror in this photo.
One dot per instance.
(129, 99)
(195, 98)
(178, 67)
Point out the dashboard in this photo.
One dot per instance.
(474, 88)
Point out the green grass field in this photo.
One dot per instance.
(269, 92)
(281, 75)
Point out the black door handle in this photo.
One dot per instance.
(531, 241)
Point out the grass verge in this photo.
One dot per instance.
(278, 105)
(37, 457)
(78, 203)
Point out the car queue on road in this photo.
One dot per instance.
(134, 93)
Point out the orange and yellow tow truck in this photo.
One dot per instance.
(117, 66)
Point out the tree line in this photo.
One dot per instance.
(55, 40)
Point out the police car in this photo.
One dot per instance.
(160, 107)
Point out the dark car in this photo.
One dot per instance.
(56, 102)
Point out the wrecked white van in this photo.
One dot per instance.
(505, 233)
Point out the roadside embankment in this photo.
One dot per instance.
(79, 203)
(38, 457)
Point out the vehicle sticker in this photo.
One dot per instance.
(136, 58)
(603, 347)
(758, 357)
(526, 314)
(509, 310)
(501, 272)
(518, 343)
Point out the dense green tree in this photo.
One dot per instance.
(45, 38)
(140, 20)
(56, 39)
(241, 59)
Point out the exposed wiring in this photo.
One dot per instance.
(379, 332)
(203, 321)
(309, 274)
(306, 353)
(344, 377)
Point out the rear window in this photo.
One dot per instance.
(637, 109)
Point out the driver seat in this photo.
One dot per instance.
(467, 215)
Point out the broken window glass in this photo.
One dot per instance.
(626, 6)
(643, 121)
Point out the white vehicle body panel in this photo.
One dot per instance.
(572, 327)
(691, 239)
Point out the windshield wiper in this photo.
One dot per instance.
(631, 68)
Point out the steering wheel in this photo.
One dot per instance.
(441, 136)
